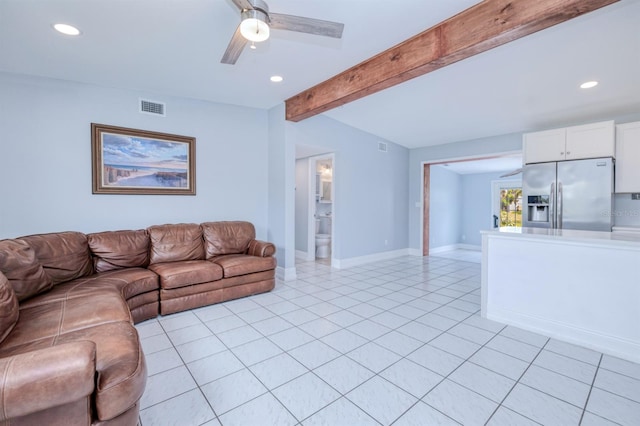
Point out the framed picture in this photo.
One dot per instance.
(130, 161)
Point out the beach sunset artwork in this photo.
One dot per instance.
(139, 162)
(130, 163)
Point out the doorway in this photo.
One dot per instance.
(506, 202)
(320, 233)
(314, 192)
(481, 168)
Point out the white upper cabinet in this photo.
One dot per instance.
(591, 141)
(571, 143)
(628, 157)
(540, 147)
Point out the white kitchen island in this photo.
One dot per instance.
(582, 287)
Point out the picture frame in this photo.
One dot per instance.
(141, 162)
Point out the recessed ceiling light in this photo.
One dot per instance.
(67, 29)
(276, 78)
(588, 84)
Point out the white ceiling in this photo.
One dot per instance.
(173, 47)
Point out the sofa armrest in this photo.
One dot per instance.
(46, 378)
(261, 249)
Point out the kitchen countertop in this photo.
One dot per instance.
(626, 229)
(617, 238)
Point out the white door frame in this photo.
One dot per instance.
(496, 185)
(311, 229)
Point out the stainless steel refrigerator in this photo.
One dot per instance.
(575, 194)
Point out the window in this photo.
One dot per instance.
(510, 207)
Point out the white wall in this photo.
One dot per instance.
(370, 199)
(281, 198)
(445, 207)
(370, 187)
(45, 159)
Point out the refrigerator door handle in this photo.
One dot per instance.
(559, 205)
(552, 206)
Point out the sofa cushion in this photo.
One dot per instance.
(234, 265)
(180, 274)
(19, 264)
(51, 314)
(240, 281)
(64, 255)
(131, 281)
(119, 249)
(8, 307)
(174, 243)
(128, 283)
(227, 237)
(119, 362)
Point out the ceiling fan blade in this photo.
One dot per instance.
(512, 173)
(242, 4)
(234, 49)
(301, 24)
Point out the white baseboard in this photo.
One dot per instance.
(415, 252)
(451, 247)
(286, 274)
(608, 344)
(469, 247)
(302, 255)
(361, 260)
(442, 249)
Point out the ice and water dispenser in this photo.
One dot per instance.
(538, 208)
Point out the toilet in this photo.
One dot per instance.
(323, 242)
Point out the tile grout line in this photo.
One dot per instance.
(175, 368)
(593, 382)
(515, 384)
(187, 368)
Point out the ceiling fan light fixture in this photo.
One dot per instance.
(254, 26)
(588, 84)
(66, 29)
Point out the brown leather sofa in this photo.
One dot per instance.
(69, 353)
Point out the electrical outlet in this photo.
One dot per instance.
(635, 196)
(386, 242)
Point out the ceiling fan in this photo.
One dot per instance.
(257, 21)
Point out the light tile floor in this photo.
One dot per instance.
(396, 342)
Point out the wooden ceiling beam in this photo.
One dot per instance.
(484, 26)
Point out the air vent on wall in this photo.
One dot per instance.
(382, 146)
(151, 107)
